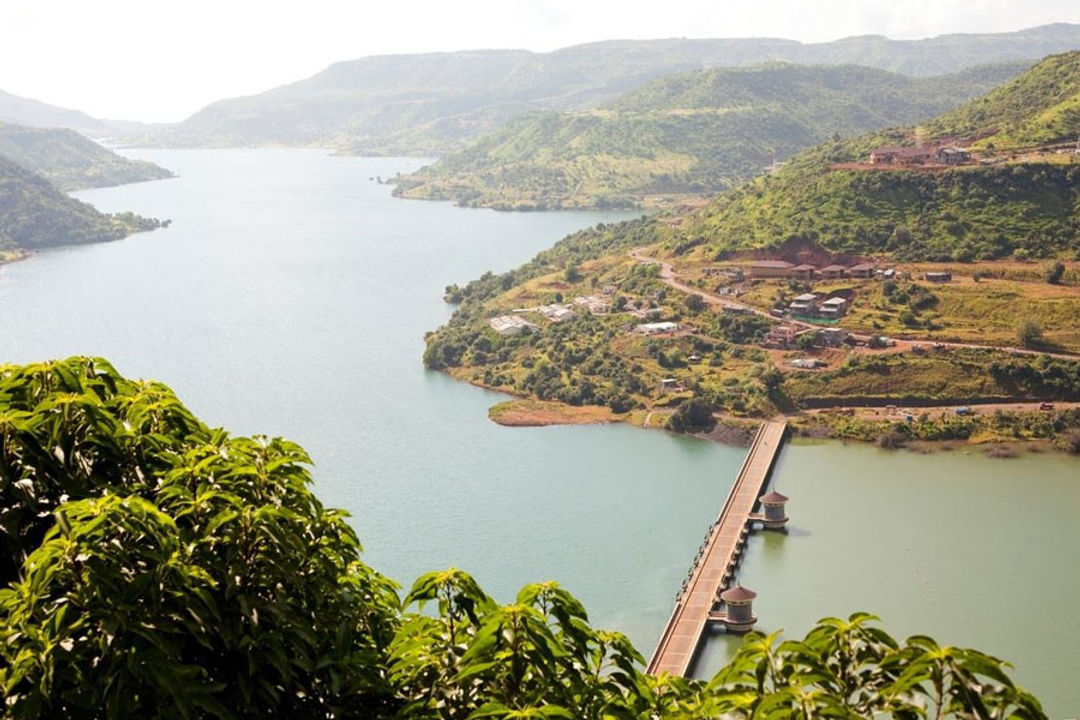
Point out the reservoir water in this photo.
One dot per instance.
(290, 297)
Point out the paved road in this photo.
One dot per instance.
(670, 278)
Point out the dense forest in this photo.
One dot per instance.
(152, 566)
(690, 134)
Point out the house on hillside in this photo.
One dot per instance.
(834, 307)
(833, 272)
(511, 325)
(781, 336)
(939, 277)
(803, 272)
(595, 305)
(556, 313)
(803, 304)
(952, 155)
(898, 155)
(656, 328)
(834, 337)
(862, 270)
(771, 268)
(670, 385)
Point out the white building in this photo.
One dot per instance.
(656, 327)
(595, 305)
(556, 313)
(511, 325)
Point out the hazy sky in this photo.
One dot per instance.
(161, 61)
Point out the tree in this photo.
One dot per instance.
(694, 415)
(695, 303)
(1054, 272)
(1029, 333)
(169, 570)
(185, 574)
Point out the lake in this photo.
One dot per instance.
(290, 297)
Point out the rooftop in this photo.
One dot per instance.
(771, 264)
(774, 497)
(738, 594)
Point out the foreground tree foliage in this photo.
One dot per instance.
(158, 568)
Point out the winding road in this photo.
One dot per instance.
(670, 278)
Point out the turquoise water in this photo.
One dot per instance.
(291, 296)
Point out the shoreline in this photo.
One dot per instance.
(529, 412)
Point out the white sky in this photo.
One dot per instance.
(160, 61)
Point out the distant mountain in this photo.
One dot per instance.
(1014, 199)
(695, 133)
(33, 113)
(34, 214)
(434, 103)
(71, 161)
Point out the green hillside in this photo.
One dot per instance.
(1019, 202)
(34, 214)
(70, 161)
(1041, 106)
(431, 104)
(695, 133)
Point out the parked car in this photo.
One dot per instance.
(1046, 406)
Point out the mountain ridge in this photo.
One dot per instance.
(693, 133)
(383, 103)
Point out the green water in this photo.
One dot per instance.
(971, 550)
(291, 296)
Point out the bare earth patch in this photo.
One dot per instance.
(538, 413)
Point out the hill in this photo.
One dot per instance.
(71, 161)
(34, 214)
(433, 103)
(695, 133)
(34, 113)
(1010, 201)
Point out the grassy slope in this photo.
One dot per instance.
(963, 213)
(71, 161)
(695, 133)
(34, 214)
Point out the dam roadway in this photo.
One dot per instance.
(716, 564)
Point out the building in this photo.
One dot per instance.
(953, 155)
(862, 270)
(771, 268)
(511, 325)
(939, 277)
(803, 304)
(807, 363)
(803, 272)
(833, 272)
(782, 335)
(834, 307)
(834, 337)
(735, 309)
(670, 385)
(595, 305)
(655, 328)
(556, 313)
(898, 155)
(774, 516)
(739, 614)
